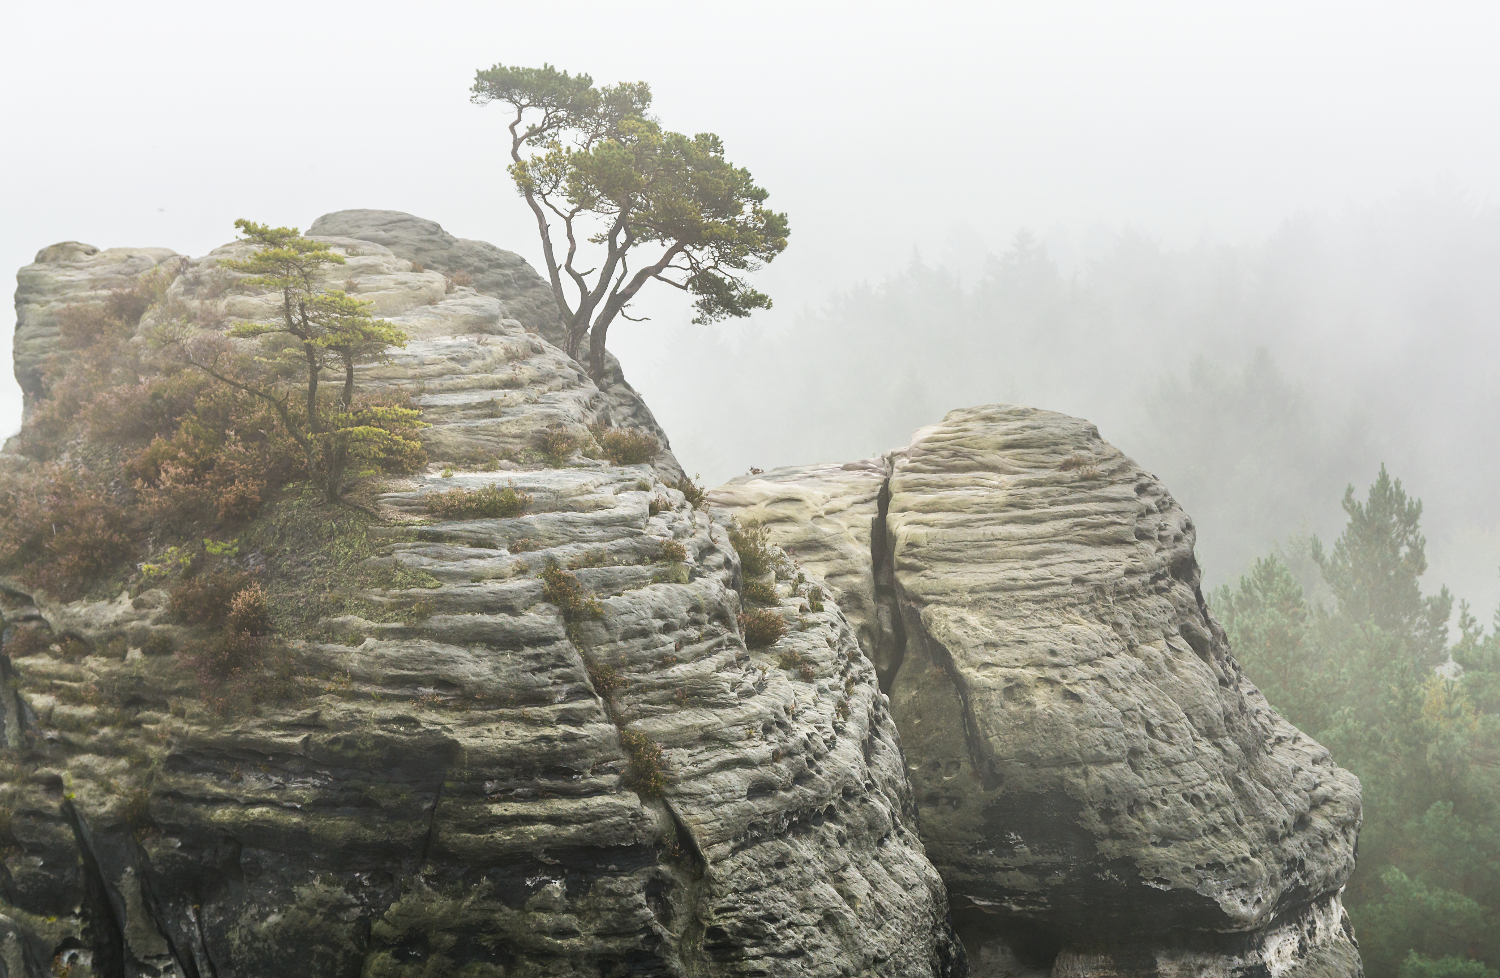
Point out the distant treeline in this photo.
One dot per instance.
(1256, 381)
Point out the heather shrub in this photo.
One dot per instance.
(761, 591)
(752, 542)
(205, 471)
(606, 680)
(59, 531)
(627, 446)
(568, 593)
(556, 445)
(28, 640)
(671, 552)
(235, 669)
(697, 497)
(647, 775)
(486, 502)
(761, 627)
(133, 413)
(207, 598)
(249, 612)
(94, 357)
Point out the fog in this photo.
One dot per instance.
(1258, 247)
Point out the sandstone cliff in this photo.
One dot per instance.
(462, 780)
(1102, 789)
(465, 770)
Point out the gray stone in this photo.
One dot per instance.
(1103, 790)
(451, 792)
(64, 274)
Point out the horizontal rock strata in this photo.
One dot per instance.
(464, 783)
(1103, 790)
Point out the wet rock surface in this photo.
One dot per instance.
(1102, 789)
(480, 785)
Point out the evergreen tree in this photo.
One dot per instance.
(315, 329)
(1362, 676)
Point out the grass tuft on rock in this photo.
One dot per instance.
(486, 502)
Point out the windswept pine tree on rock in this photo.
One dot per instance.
(315, 329)
(664, 206)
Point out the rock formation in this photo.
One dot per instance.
(1102, 789)
(469, 780)
(473, 769)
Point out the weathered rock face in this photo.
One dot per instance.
(524, 295)
(451, 792)
(64, 273)
(1102, 789)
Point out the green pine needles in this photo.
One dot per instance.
(314, 331)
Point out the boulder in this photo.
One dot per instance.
(465, 776)
(1101, 787)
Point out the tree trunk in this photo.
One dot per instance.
(597, 363)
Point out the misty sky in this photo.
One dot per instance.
(881, 128)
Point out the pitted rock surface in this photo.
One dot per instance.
(1101, 787)
(452, 793)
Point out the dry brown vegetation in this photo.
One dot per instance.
(627, 446)
(762, 627)
(486, 502)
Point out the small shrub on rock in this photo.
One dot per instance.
(762, 627)
(761, 591)
(207, 599)
(556, 445)
(28, 640)
(568, 593)
(232, 669)
(647, 775)
(695, 494)
(60, 531)
(486, 502)
(249, 612)
(671, 552)
(606, 680)
(751, 541)
(628, 446)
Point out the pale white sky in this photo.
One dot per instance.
(879, 127)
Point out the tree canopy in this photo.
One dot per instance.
(1369, 677)
(633, 202)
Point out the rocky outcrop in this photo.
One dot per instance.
(524, 295)
(467, 780)
(63, 274)
(1102, 789)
